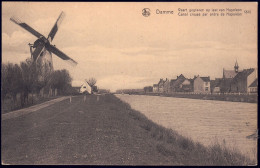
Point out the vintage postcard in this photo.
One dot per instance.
(129, 83)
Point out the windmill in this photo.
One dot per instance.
(42, 49)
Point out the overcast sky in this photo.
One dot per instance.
(121, 48)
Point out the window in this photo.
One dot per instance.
(84, 87)
(206, 88)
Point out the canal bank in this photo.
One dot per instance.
(232, 97)
(104, 131)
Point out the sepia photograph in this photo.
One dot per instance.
(129, 83)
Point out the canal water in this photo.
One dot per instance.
(205, 121)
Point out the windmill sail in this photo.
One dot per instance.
(60, 54)
(56, 27)
(26, 27)
(42, 44)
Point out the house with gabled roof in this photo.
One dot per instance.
(166, 86)
(253, 87)
(231, 73)
(224, 85)
(161, 85)
(181, 84)
(85, 88)
(243, 80)
(202, 84)
(176, 84)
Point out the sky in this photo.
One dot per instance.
(117, 45)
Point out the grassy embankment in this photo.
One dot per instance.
(105, 132)
(8, 105)
(181, 149)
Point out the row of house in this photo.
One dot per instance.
(183, 84)
(232, 81)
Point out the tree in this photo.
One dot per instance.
(11, 80)
(4, 82)
(92, 81)
(44, 72)
(60, 79)
(30, 79)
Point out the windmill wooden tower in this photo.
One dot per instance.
(42, 49)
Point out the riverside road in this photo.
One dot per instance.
(89, 132)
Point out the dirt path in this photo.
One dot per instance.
(92, 132)
(31, 109)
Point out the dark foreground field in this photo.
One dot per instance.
(106, 132)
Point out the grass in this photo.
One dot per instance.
(187, 152)
(8, 104)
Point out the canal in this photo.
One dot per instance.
(205, 121)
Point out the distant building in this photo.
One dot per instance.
(155, 88)
(231, 73)
(253, 87)
(224, 85)
(172, 85)
(148, 89)
(215, 85)
(192, 84)
(103, 91)
(161, 85)
(85, 88)
(176, 85)
(77, 88)
(181, 84)
(202, 84)
(166, 86)
(243, 80)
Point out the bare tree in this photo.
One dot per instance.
(91, 81)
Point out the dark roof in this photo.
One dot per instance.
(172, 81)
(229, 73)
(218, 83)
(225, 84)
(205, 79)
(161, 81)
(180, 79)
(243, 75)
(191, 80)
(215, 83)
(254, 84)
